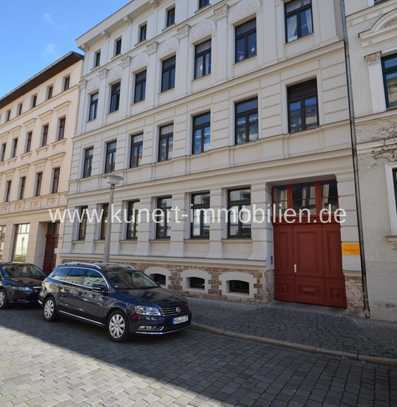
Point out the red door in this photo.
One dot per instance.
(50, 247)
(308, 261)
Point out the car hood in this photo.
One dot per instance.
(153, 296)
(26, 281)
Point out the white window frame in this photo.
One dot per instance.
(391, 198)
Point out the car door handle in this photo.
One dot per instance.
(295, 269)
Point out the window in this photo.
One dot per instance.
(136, 150)
(203, 3)
(82, 227)
(44, 135)
(166, 142)
(87, 162)
(28, 145)
(61, 128)
(114, 97)
(142, 32)
(50, 92)
(3, 152)
(2, 241)
(97, 58)
(117, 46)
(14, 148)
(132, 221)
(329, 195)
(170, 17)
(163, 230)
(238, 287)
(395, 184)
(19, 109)
(8, 115)
(304, 197)
(196, 283)
(202, 59)
(93, 279)
(104, 221)
(280, 199)
(200, 226)
(201, 133)
(21, 242)
(140, 86)
(159, 279)
(34, 101)
(245, 37)
(93, 108)
(302, 106)
(389, 65)
(239, 201)
(56, 172)
(298, 19)
(168, 74)
(110, 158)
(22, 184)
(39, 180)
(66, 83)
(246, 121)
(7, 194)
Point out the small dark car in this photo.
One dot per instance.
(117, 297)
(19, 283)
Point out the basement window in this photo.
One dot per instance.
(196, 283)
(238, 287)
(159, 279)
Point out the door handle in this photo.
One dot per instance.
(295, 269)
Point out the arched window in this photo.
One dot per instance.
(238, 286)
(196, 283)
(160, 279)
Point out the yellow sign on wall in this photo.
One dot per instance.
(351, 248)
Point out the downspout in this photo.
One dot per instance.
(353, 136)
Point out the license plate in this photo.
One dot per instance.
(181, 320)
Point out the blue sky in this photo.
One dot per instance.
(36, 32)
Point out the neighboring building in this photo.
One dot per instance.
(229, 105)
(37, 121)
(372, 31)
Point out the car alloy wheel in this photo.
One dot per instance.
(49, 309)
(3, 299)
(117, 327)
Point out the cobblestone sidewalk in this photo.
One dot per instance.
(320, 328)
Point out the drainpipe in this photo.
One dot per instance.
(353, 136)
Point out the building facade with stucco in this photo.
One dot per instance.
(372, 36)
(37, 122)
(221, 104)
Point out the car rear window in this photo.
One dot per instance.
(22, 271)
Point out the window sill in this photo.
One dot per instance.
(164, 92)
(237, 240)
(245, 60)
(201, 78)
(197, 240)
(125, 241)
(287, 43)
(161, 240)
(305, 131)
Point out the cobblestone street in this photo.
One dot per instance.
(72, 364)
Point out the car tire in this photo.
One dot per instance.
(3, 299)
(50, 309)
(117, 326)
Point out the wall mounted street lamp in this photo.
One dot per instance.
(112, 180)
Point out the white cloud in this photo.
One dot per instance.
(49, 19)
(49, 50)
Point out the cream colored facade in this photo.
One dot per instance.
(277, 157)
(372, 30)
(33, 157)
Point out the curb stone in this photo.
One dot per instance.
(298, 346)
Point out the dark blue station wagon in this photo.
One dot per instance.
(121, 299)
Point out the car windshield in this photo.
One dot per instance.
(22, 271)
(124, 278)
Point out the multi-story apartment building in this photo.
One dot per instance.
(372, 35)
(37, 121)
(221, 104)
